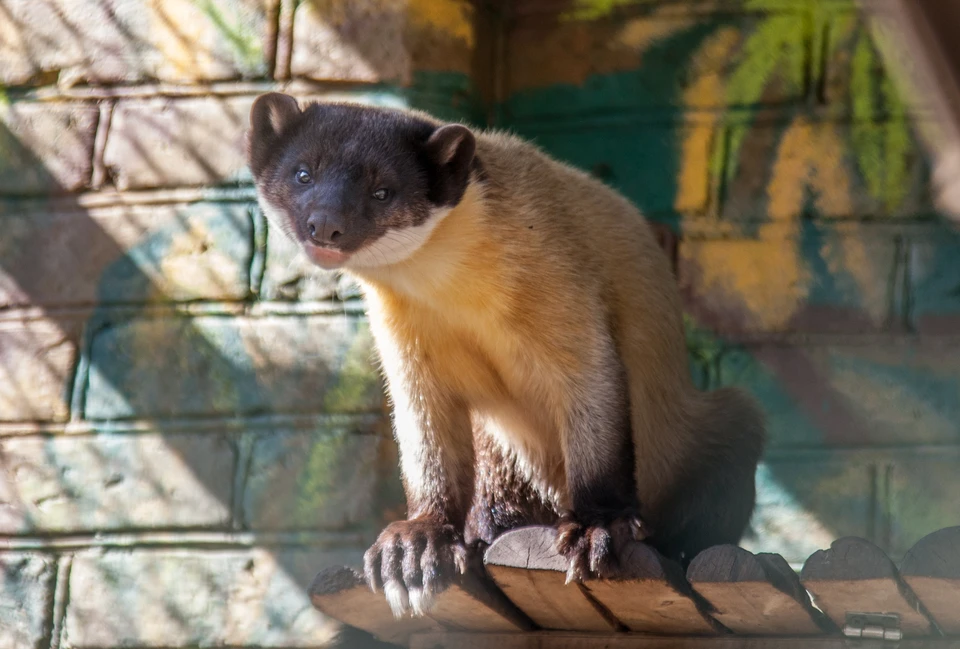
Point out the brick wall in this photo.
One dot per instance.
(768, 136)
(190, 425)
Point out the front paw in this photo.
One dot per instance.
(412, 561)
(594, 550)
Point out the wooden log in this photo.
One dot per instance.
(653, 596)
(932, 570)
(561, 640)
(472, 604)
(527, 568)
(754, 594)
(342, 594)
(475, 603)
(855, 576)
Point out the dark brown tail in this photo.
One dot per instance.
(715, 497)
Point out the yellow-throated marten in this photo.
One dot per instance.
(530, 331)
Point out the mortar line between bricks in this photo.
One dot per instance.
(773, 113)
(259, 234)
(285, 24)
(99, 175)
(212, 424)
(211, 309)
(899, 316)
(820, 58)
(242, 463)
(182, 539)
(723, 116)
(61, 596)
(173, 90)
(873, 504)
(78, 385)
(107, 198)
(908, 284)
(271, 36)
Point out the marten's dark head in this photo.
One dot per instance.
(356, 186)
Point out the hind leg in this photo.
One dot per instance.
(503, 498)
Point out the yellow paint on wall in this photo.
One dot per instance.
(696, 147)
(849, 255)
(788, 181)
(828, 173)
(640, 33)
(183, 36)
(451, 16)
(765, 276)
(178, 269)
(810, 156)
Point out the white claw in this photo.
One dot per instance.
(397, 598)
(421, 600)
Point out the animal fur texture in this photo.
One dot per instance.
(530, 333)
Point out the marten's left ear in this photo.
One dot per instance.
(450, 151)
(270, 115)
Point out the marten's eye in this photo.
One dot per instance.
(381, 194)
(303, 177)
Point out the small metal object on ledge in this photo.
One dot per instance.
(873, 626)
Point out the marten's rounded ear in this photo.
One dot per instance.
(271, 114)
(450, 150)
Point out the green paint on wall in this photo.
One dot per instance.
(358, 380)
(245, 44)
(771, 51)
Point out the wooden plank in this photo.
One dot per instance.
(560, 640)
(525, 565)
(754, 594)
(653, 596)
(932, 570)
(855, 576)
(473, 604)
(342, 594)
(476, 604)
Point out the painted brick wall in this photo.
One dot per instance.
(190, 425)
(767, 135)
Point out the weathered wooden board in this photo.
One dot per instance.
(653, 596)
(754, 594)
(470, 605)
(555, 640)
(527, 568)
(932, 570)
(476, 604)
(855, 576)
(342, 594)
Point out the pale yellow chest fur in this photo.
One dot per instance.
(465, 310)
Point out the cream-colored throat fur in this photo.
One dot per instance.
(432, 256)
(396, 245)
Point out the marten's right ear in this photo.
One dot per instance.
(451, 150)
(271, 115)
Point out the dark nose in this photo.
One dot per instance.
(325, 228)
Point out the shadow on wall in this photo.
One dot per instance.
(105, 41)
(210, 413)
(133, 327)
